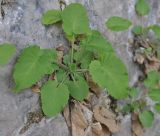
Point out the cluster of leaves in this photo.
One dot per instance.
(152, 82)
(90, 54)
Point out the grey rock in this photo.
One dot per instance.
(21, 26)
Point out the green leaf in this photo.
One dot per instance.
(83, 57)
(78, 89)
(112, 76)
(156, 30)
(32, 65)
(127, 108)
(142, 7)
(137, 30)
(155, 95)
(95, 42)
(146, 118)
(118, 24)
(60, 75)
(133, 92)
(75, 20)
(51, 17)
(157, 107)
(152, 80)
(6, 52)
(54, 98)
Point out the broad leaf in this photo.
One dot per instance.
(142, 7)
(78, 89)
(146, 118)
(54, 98)
(111, 76)
(6, 52)
(32, 65)
(154, 94)
(96, 42)
(152, 80)
(156, 30)
(51, 17)
(118, 24)
(75, 20)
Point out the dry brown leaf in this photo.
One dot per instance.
(93, 86)
(61, 47)
(78, 121)
(97, 129)
(66, 114)
(137, 129)
(59, 56)
(52, 77)
(139, 58)
(36, 88)
(106, 117)
(153, 64)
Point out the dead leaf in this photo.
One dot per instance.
(36, 88)
(153, 64)
(52, 77)
(66, 114)
(97, 129)
(106, 117)
(78, 121)
(93, 86)
(61, 47)
(59, 56)
(137, 129)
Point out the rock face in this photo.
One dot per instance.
(21, 25)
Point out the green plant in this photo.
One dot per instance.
(90, 54)
(136, 101)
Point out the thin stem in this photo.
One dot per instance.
(82, 70)
(64, 78)
(61, 65)
(72, 51)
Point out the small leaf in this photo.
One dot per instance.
(32, 65)
(133, 92)
(51, 17)
(96, 42)
(6, 52)
(83, 57)
(111, 76)
(157, 107)
(156, 30)
(146, 118)
(126, 108)
(152, 80)
(137, 30)
(155, 95)
(118, 24)
(54, 98)
(75, 20)
(78, 89)
(142, 7)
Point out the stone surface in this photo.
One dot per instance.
(22, 26)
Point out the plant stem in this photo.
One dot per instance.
(61, 65)
(72, 51)
(82, 70)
